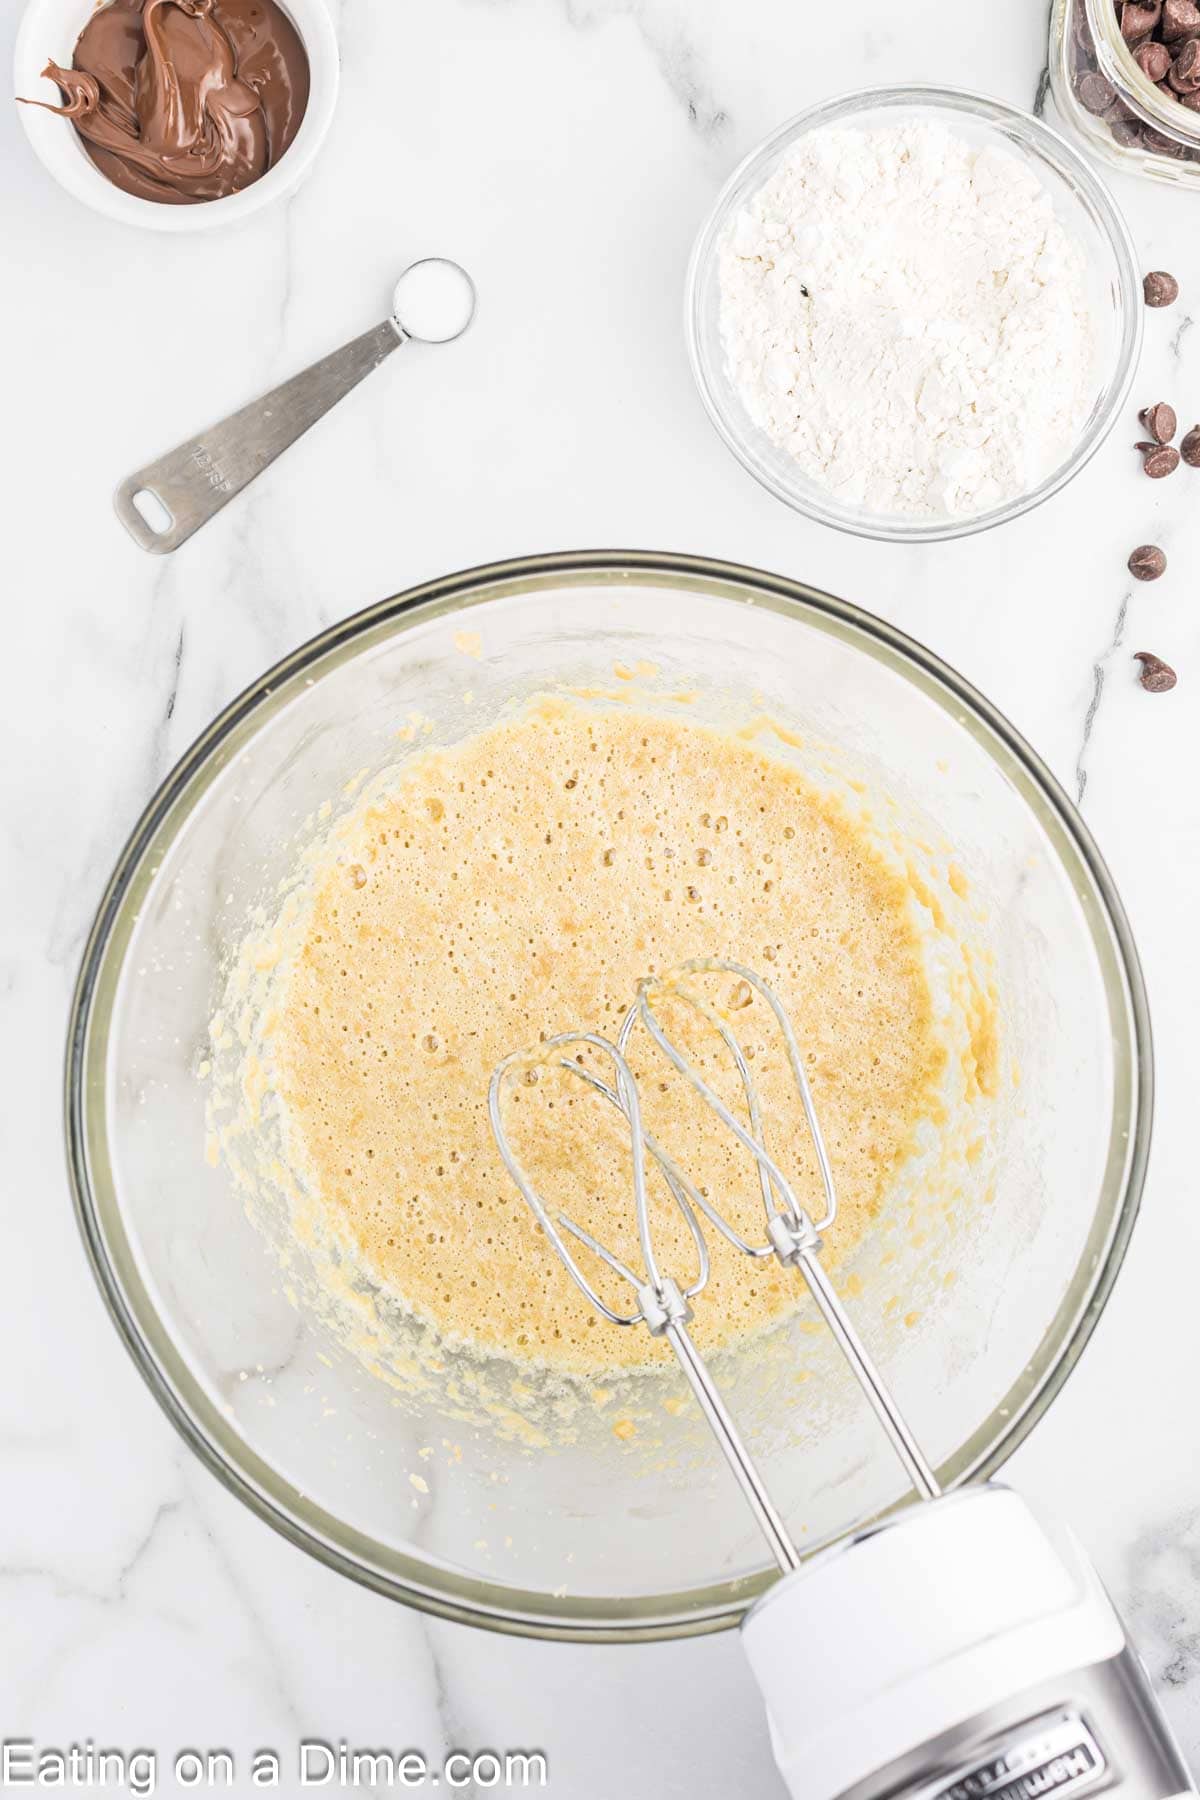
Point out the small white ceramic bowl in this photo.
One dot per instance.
(50, 28)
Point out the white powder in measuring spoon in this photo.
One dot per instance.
(907, 316)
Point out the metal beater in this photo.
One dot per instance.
(793, 1236)
(968, 1652)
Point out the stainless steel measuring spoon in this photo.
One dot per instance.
(162, 504)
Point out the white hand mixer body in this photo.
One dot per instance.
(967, 1651)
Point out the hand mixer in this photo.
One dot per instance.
(968, 1650)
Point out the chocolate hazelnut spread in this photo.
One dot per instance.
(185, 100)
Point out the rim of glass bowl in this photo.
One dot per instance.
(427, 1585)
(743, 437)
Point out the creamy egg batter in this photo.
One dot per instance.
(519, 884)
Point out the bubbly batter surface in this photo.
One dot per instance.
(520, 884)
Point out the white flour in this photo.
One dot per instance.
(905, 314)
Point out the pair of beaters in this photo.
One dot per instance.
(967, 1649)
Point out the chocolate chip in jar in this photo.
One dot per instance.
(1184, 74)
(1141, 24)
(1147, 563)
(1159, 288)
(1120, 110)
(1158, 35)
(1153, 59)
(1138, 21)
(1158, 140)
(1157, 676)
(1159, 421)
(1096, 93)
(1178, 18)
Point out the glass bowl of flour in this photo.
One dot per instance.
(913, 313)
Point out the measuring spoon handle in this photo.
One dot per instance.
(194, 481)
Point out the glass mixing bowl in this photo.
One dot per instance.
(599, 1539)
(1082, 202)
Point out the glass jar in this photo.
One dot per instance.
(1130, 120)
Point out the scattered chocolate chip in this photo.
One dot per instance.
(1162, 460)
(1153, 59)
(1147, 563)
(1159, 288)
(1159, 421)
(1157, 677)
(1138, 21)
(1189, 448)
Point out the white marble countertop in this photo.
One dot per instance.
(565, 151)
